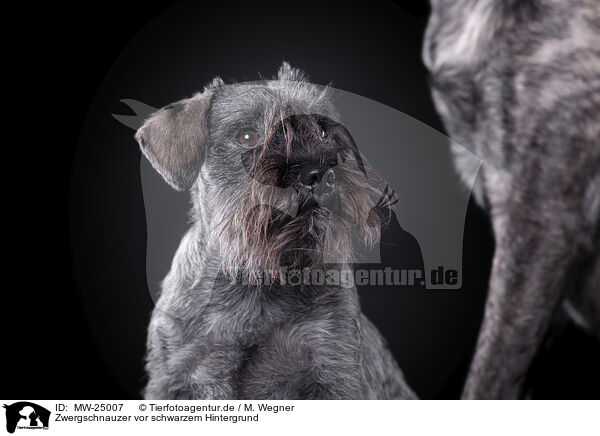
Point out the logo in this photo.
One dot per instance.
(26, 415)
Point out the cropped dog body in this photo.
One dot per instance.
(276, 182)
(518, 83)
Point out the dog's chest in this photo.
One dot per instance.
(276, 364)
(278, 342)
(459, 42)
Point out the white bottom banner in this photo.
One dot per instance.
(23, 417)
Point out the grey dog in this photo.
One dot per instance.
(518, 82)
(249, 153)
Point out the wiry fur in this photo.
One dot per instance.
(211, 338)
(518, 83)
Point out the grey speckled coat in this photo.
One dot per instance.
(518, 83)
(212, 339)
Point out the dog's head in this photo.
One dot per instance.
(276, 179)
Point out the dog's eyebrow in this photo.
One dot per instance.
(243, 104)
(251, 93)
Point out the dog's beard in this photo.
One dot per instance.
(258, 236)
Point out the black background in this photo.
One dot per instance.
(51, 349)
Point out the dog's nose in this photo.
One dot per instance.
(313, 177)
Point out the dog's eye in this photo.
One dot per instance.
(323, 133)
(248, 138)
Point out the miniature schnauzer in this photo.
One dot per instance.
(518, 83)
(276, 183)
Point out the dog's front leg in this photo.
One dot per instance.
(196, 374)
(528, 272)
(336, 372)
(336, 381)
(191, 366)
(216, 375)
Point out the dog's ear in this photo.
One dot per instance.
(174, 139)
(287, 72)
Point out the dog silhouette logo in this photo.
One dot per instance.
(26, 415)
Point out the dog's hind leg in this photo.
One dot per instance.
(528, 273)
